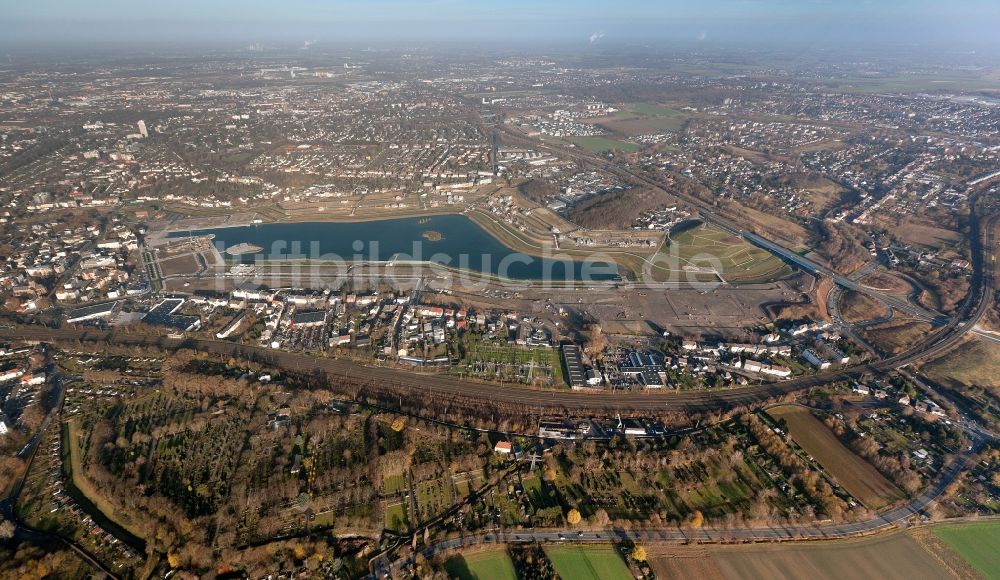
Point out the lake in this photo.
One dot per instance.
(453, 240)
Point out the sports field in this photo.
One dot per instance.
(977, 543)
(489, 565)
(597, 562)
(857, 476)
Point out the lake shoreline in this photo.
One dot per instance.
(459, 240)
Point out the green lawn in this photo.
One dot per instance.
(394, 484)
(491, 565)
(735, 259)
(978, 543)
(396, 517)
(597, 562)
(602, 144)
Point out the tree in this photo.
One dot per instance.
(6, 529)
(596, 341)
(601, 517)
(639, 553)
(573, 517)
(550, 475)
(697, 520)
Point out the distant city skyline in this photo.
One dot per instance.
(584, 22)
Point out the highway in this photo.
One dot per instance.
(710, 215)
(847, 282)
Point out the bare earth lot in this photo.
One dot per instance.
(182, 264)
(976, 363)
(888, 556)
(857, 476)
(926, 235)
(897, 336)
(857, 307)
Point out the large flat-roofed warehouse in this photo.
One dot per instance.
(94, 312)
(163, 315)
(574, 366)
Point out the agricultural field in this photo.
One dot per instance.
(643, 118)
(977, 543)
(644, 125)
(856, 475)
(652, 110)
(891, 555)
(602, 144)
(586, 562)
(489, 565)
(708, 249)
(926, 235)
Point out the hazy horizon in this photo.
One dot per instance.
(849, 23)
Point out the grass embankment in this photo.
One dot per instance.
(856, 475)
(631, 259)
(734, 259)
(857, 307)
(895, 336)
(71, 431)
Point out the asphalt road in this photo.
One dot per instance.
(896, 517)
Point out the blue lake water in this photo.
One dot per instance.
(463, 244)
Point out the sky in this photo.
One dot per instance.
(582, 22)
